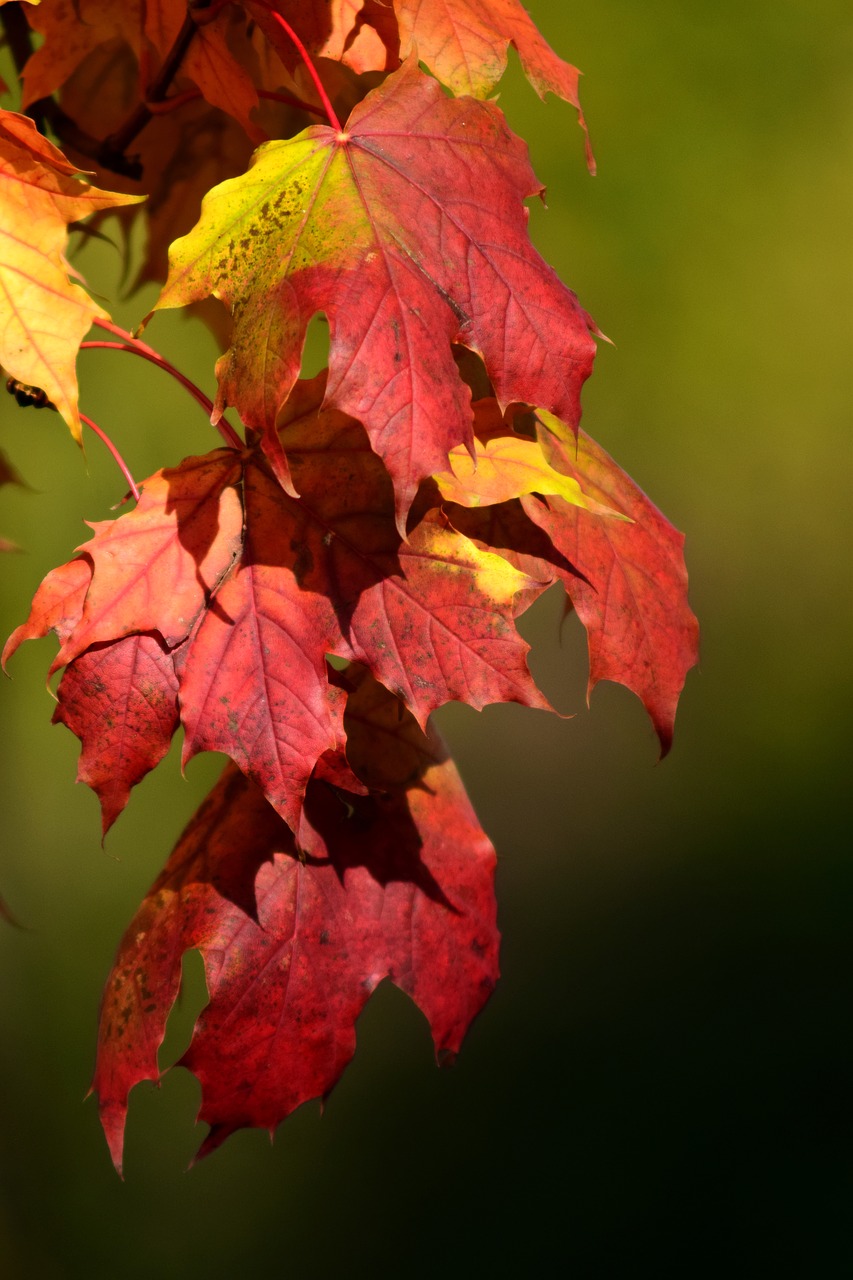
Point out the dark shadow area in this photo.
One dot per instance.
(375, 832)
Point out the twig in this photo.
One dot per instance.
(192, 95)
(115, 146)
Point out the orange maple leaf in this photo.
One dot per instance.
(45, 315)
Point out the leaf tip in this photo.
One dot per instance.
(113, 1118)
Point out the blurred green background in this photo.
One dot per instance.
(662, 1082)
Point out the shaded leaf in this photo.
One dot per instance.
(213, 60)
(182, 154)
(363, 35)
(294, 946)
(431, 615)
(632, 595)
(70, 30)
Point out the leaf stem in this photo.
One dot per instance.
(102, 435)
(165, 105)
(309, 65)
(138, 348)
(291, 100)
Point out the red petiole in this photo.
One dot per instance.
(102, 435)
(309, 66)
(192, 95)
(127, 342)
(204, 15)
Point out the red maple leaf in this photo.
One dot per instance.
(394, 884)
(626, 578)
(121, 700)
(409, 230)
(464, 43)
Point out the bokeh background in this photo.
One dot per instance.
(661, 1083)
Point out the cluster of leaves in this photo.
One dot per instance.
(304, 597)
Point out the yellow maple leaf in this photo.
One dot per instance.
(44, 316)
(506, 467)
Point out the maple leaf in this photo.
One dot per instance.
(154, 568)
(626, 578)
(632, 592)
(70, 30)
(327, 573)
(121, 700)
(360, 34)
(464, 43)
(397, 884)
(213, 59)
(45, 315)
(57, 605)
(363, 36)
(409, 231)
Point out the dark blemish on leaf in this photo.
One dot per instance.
(303, 561)
(325, 938)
